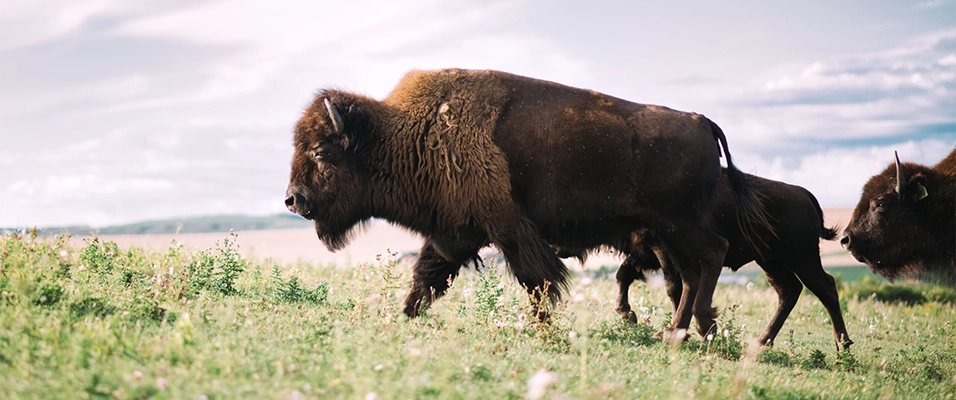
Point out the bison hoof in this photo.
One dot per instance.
(845, 345)
(628, 316)
(413, 310)
(541, 315)
(674, 336)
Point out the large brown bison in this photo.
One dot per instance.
(788, 256)
(471, 158)
(905, 222)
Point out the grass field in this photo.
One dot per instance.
(98, 321)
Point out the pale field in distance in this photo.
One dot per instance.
(287, 246)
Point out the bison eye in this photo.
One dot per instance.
(878, 205)
(321, 153)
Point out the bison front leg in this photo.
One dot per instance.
(627, 273)
(432, 275)
(533, 263)
(632, 269)
(699, 279)
(788, 289)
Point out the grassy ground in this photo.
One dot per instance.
(103, 322)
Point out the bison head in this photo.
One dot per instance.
(889, 230)
(328, 181)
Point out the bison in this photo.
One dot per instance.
(905, 222)
(790, 255)
(474, 158)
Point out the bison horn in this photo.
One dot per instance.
(900, 178)
(336, 118)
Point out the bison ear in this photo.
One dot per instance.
(349, 120)
(360, 126)
(916, 187)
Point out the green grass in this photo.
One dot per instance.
(105, 322)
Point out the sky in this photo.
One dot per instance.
(116, 111)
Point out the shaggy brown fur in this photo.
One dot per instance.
(788, 258)
(908, 229)
(472, 158)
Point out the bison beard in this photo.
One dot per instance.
(905, 222)
(790, 257)
(473, 158)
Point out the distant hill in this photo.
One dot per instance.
(217, 223)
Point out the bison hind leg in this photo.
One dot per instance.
(824, 287)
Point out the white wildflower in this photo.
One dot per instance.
(373, 298)
(539, 382)
(415, 353)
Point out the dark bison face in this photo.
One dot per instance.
(888, 230)
(327, 181)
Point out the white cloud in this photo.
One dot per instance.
(28, 22)
(119, 111)
(930, 4)
(836, 175)
(905, 92)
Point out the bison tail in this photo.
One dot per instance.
(829, 233)
(752, 216)
(825, 233)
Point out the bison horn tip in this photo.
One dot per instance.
(337, 123)
(900, 177)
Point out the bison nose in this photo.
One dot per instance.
(291, 203)
(845, 241)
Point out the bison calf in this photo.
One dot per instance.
(788, 257)
(905, 222)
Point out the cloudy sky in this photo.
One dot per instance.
(114, 111)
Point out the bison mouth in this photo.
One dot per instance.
(859, 257)
(889, 263)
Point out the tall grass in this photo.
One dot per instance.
(103, 322)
